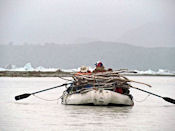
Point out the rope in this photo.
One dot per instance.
(64, 79)
(46, 99)
(143, 99)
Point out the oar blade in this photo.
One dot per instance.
(169, 100)
(22, 96)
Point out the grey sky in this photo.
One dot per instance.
(138, 22)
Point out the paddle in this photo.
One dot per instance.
(22, 96)
(165, 98)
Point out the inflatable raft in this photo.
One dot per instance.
(100, 97)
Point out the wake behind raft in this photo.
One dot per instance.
(102, 89)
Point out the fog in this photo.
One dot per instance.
(149, 23)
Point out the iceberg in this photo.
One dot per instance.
(2, 69)
(159, 72)
(28, 67)
(162, 71)
(149, 71)
(10, 66)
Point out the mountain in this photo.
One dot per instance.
(114, 55)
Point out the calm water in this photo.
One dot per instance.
(33, 114)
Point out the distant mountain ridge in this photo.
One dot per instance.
(114, 55)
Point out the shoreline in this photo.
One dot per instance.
(60, 73)
(57, 73)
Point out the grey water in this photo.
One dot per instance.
(149, 113)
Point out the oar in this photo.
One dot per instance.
(22, 96)
(165, 98)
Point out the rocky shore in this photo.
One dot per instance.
(57, 73)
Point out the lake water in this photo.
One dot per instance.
(33, 114)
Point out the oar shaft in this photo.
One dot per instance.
(49, 89)
(45, 90)
(19, 97)
(146, 92)
(165, 98)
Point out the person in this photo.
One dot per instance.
(84, 70)
(118, 90)
(124, 89)
(100, 67)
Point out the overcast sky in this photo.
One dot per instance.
(138, 22)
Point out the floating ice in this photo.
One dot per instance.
(28, 67)
(2, 69)
(146, 72)
(159, 72)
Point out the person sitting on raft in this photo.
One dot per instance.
(100, 67)
(84, 70)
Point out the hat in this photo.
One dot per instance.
(84, 69)
(99, 64)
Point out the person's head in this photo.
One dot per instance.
(99, 64)
(84, 69)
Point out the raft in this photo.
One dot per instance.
(97, 97)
